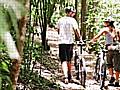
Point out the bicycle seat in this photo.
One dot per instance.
(105, 50)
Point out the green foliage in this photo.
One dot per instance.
(92, 18)
(55, 18)
(34, 53)
(5, 82)
(97, 12)
(36, 82)
(60, 10)
(9, 15)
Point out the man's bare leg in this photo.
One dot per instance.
(69, 70)
(111, 72)
(65, 70)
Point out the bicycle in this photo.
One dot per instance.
(100, 74)
(79, 63)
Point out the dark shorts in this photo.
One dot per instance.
(117, 61)
(65, 52)
(110, 58)
(113, 59)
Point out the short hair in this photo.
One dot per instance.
(68, 9)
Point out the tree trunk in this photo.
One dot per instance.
(76, 8)
(44, 24)
(15, 67)
(83, 15)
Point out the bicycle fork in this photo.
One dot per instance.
(102, 72)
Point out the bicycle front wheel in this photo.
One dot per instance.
(96, 74)
(102, 76)
(83, 78)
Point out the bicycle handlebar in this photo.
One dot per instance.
(81, 44)
(116, 47)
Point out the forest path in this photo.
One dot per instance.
(91, 84)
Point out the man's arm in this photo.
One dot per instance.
(76, 30)
(77, 34)
(57, 29)
(57, 26)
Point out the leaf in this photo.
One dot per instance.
(0, 83)
(13, 18)
(8, 81)
(16, 6)
(4, 67)
(9, 13)
(4, 21)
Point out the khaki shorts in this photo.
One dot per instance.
(117, 61)
(113, 59)
(110, 56)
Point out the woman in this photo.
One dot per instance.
(110, 34)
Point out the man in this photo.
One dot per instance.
(67, 28)
(110, 34)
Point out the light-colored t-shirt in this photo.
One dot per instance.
(66, 26)
(109, 39)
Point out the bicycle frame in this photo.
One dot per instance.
(102, 72)
(80, 64)
(101, 62)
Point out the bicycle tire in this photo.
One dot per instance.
(83, 78)
(76, 61)
(103, 76)
(82, 73)
(76, 65)
(78, 72)
(96, 75)
(100, 76)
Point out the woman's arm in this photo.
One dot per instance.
(100, 33)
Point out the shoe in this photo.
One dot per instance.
(111, 84)
(69, 76)
(111, 81)
(66, 81)
(117, 84)
(71, 81)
